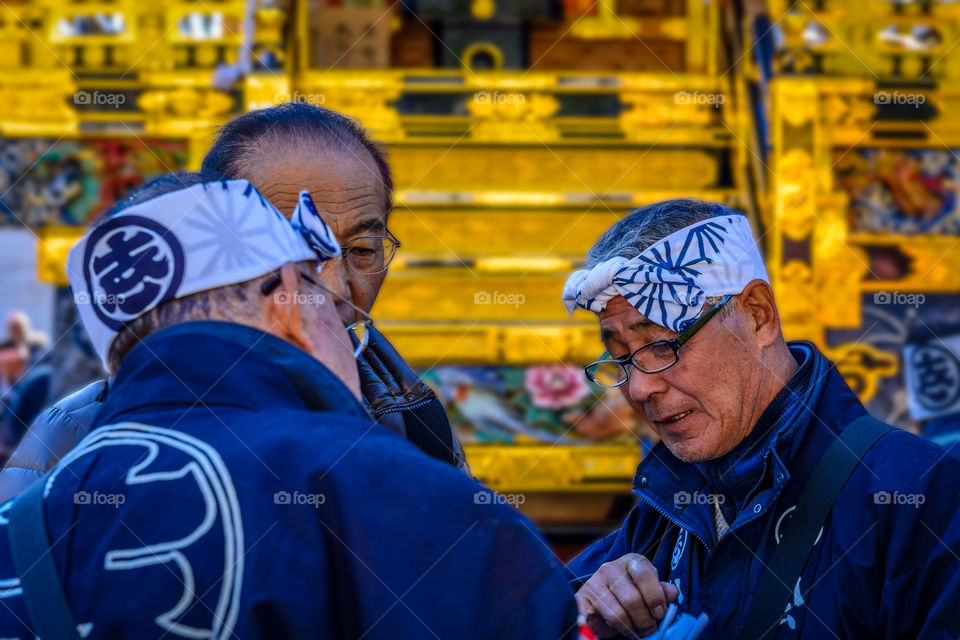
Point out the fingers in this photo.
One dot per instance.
(626, 594)
(647, 581)
(633, 604)
(612, 614)
(670, 591)
(591, 617)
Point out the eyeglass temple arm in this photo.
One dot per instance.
(688, 333)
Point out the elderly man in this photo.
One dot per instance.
(724, 523)
(281, 151)
(233, 485)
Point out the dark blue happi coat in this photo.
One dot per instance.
(886, 565)
(233, 487)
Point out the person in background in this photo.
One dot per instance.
(233, 484)
(20, 330)
(25, 393)
(931, 364)
(281, 151)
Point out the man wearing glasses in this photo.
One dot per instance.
(232, 484)
(693, 341)
(282, 151)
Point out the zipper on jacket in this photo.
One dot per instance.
(672, 519)
(407, 408)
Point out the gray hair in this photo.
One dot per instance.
(645, 226)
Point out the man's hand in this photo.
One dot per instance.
(625, 597)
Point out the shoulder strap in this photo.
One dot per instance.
(831, 473)
(43, 595)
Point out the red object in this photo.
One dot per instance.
(586, 634)
(579, 8)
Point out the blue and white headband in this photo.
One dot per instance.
(671, 279)
(201, 237)
(933, 377)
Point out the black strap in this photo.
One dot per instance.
(43, 596)
(831, 473)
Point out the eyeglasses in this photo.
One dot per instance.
(650, 358)
(368, 255)
(359, 331)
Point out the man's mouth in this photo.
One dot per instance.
(677, 417)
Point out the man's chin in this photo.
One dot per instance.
(690, 449)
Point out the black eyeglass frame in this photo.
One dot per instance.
(628, 361)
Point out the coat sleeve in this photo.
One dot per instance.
(54, 433)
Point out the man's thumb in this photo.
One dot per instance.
(670, 591)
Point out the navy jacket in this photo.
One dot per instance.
(233, 487)
(887, 564)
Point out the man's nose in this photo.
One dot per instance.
(642, 386)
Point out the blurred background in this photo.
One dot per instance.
(517, 132)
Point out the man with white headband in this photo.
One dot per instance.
(774, 503)
(232, 484)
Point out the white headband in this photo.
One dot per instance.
(933, 377)
(670, 280)
(202, 237)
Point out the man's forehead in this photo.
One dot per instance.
(342, 186)
(621, 317)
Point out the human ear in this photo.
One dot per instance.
(283, 313)
(763, 320)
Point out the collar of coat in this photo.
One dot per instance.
(220, 364)
(679, 491)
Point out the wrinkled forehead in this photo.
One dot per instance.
(347, 187)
